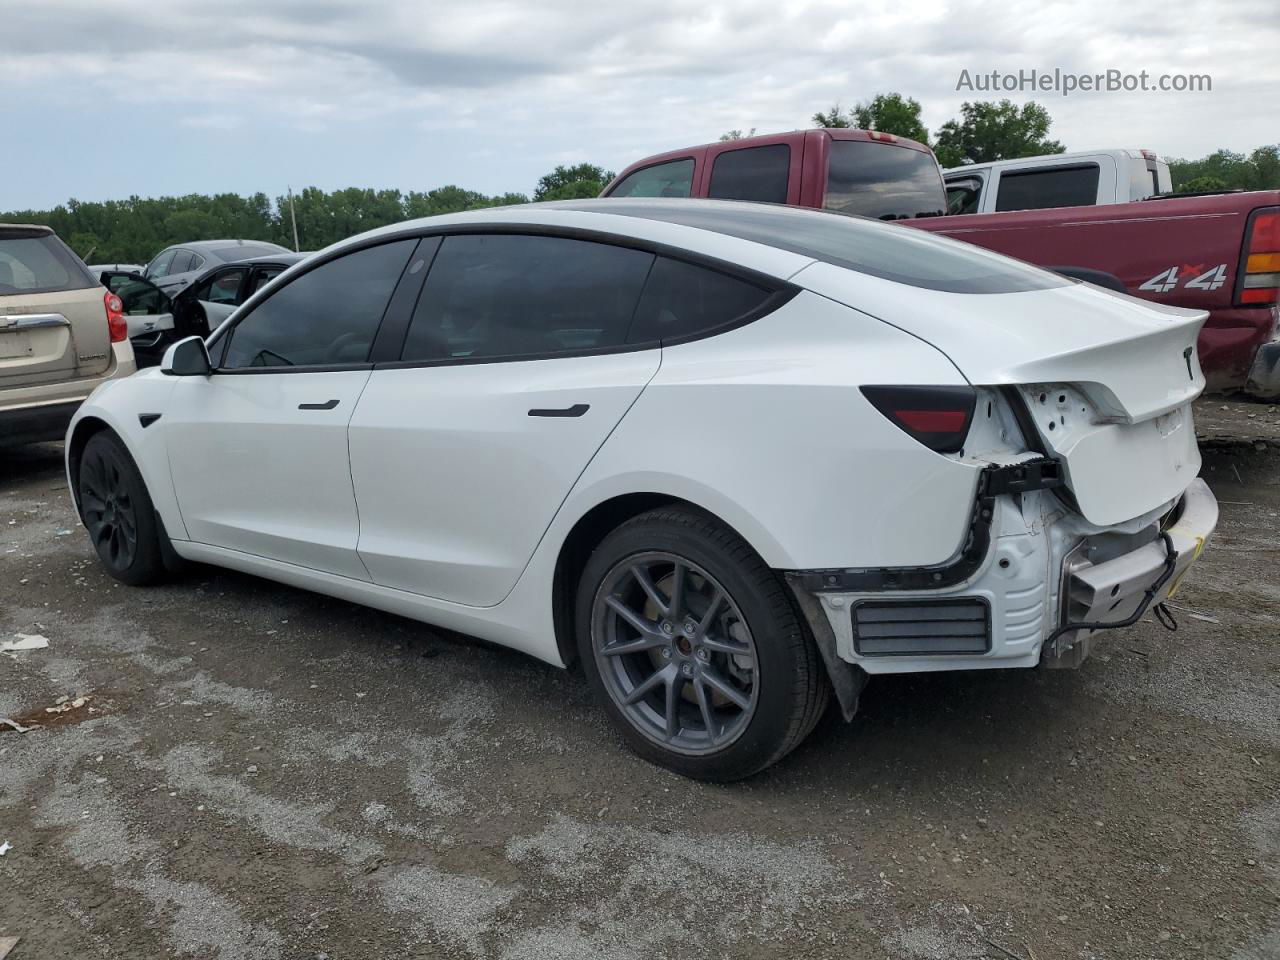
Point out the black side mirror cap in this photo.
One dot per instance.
(188, 357)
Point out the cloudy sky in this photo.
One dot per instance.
(110, 98)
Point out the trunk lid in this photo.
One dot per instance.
(1107, 380)
(53, 322)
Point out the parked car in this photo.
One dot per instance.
(1216, 253)
(733, 457)
(1081, 179)
(157, 320)
(175, 267)
(61, 335)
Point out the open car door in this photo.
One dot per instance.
(148, 312)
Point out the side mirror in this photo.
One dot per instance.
(187, 358)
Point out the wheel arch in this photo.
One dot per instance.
(84, 429)
(586, 534)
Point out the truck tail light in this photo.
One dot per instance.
(1260, 273)
(938, 417)
(884, 137)
(116, 323)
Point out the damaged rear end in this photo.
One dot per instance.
(1087, 512)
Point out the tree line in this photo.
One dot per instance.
(134, 230)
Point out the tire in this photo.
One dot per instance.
(748, 681)
(116, 510)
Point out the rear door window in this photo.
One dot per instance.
(752, 173)
(181, 261)
(518, 295)
(39, 263)
(671, 179)
(684, 300)
(261, 277)
(326, 316)
(159, 267)
(222, 287)
(1074, 186)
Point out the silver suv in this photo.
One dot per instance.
(61, 334)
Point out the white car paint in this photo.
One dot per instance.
(281, 482)
(427, 491)
(446, 535)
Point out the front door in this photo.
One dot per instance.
(258, 450)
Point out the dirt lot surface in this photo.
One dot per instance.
(258, 772)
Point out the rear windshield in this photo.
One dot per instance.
(243, 251)
(883, 181)
(39, 263)
(889, 251)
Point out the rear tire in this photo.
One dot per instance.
(116, 510)
(716, 682)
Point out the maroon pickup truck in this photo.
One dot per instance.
(1220, 253)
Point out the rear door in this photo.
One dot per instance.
(53, 321)
(514, 371)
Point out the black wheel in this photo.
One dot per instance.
(694, 648)
(116, 510)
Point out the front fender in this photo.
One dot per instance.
(120, 405)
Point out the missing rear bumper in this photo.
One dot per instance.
(1118, 591)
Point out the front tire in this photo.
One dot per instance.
(116, 510)
(694, 648)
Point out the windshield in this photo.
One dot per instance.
(38, 262)
(883, 181)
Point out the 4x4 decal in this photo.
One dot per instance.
(1201, 279)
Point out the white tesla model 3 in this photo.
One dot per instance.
(732, 457)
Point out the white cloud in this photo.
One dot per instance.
(534, 82)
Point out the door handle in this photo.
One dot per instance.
(577, 410)
(327, 405)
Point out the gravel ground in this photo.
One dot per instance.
(258, 772)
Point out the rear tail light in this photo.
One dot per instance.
(885, 137)
(1260, 274)
(938, 417)
(116, 323)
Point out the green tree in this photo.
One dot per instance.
(891, 113)
(987, 130)
(1201, 185)
(1260, 170)
(833, 117)
(731, 135)
(572, 183)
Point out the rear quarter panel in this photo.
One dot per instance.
(1139, 243)
(765, 427)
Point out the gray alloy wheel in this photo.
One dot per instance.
(675, 653)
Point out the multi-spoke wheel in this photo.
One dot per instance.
(675, 652)
(694, 647)
(116, 510)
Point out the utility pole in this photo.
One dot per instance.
(294, 217)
